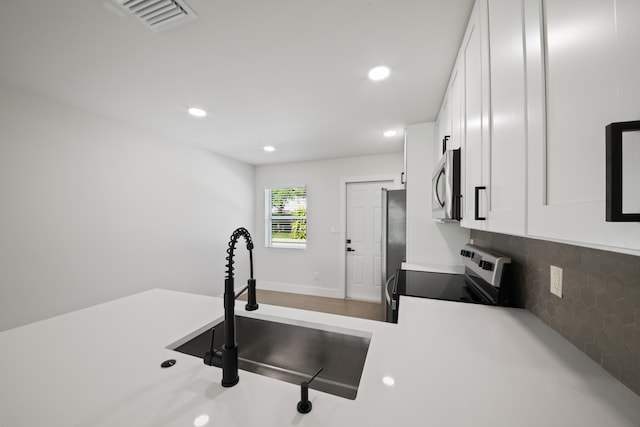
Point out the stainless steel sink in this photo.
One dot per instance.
(292, 352)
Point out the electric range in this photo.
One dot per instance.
(481, 283)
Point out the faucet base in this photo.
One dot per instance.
(230, 366)
(251, 307)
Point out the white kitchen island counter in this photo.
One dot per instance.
(101, 367)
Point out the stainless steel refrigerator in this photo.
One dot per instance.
(394, 241)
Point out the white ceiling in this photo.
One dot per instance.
(287, 73)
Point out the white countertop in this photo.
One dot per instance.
(101, 367)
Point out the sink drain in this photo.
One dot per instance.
(168, 363)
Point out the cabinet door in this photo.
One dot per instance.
(586, 59)
(403, 174)
(507, 150)
(443, 127)
(474, 122)
(455, 101)
(628, 32)
(628, 12)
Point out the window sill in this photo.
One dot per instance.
(288, 246)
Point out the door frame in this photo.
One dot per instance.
(343, 217)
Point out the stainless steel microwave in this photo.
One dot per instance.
(445, 189)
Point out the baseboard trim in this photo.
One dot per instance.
(300, 289)
(365, 299)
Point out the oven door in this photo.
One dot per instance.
(445, 187)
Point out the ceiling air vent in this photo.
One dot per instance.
(159, 14)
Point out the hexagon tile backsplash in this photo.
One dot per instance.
(599, 311)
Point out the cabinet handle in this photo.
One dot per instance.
(402, 179)
(444, 143)
(477, 207)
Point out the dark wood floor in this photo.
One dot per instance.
(345, 307)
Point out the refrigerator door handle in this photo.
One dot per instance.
(386, 287)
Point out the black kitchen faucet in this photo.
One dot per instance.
(227, 358)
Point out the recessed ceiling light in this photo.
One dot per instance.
(268, 148)
(379, 73)
(388, 381)
(390, 133)
(197, 112)
(201, 421)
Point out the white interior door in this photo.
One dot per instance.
(363, 245)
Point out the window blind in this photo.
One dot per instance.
(286, 215)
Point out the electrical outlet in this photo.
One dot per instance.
(316, 275)
(556, 281)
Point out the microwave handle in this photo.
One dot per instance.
(435, 188)
(477, 204)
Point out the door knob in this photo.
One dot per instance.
(350, 250)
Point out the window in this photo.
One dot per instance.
(286, 217)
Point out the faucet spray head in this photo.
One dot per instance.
(252, 304)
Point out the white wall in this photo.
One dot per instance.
(92, 209)
(429, 243)
(292, 269)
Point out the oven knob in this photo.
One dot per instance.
(466, 253)
(486, 265)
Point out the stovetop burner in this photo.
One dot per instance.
(444, 286)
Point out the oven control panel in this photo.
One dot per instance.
(486, 264)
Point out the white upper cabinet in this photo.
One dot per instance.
(473, 63)
(506, 189)
(455, 107)
(534, 86)
(582, 74)
(628, 44)
(443, 128)
(494, 125)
